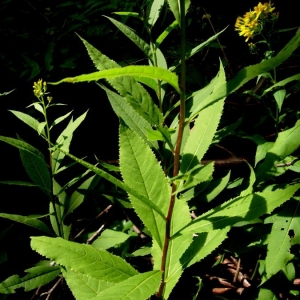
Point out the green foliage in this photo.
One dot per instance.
(163, 174)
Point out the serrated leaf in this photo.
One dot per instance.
(203, 131)
(127, 87)
(131, 117)
(36, 277)
(144, 71)
(142, 172)
(285, 223)
(204, 244)
(133, 37)
(83, 286)
(138, 287)
(84, 259)
(110, 238)
(31, 221)
(244, 208)
(252, 178)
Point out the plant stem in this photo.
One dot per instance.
(176, 151)
(52, 199)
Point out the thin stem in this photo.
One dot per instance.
(176, 152)
(42, 101)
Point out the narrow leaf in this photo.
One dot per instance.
(36, 277)
(31, 221)
(27, 119)
(175, 8)
(144, 71)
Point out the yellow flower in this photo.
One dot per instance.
(252, 22)
(39, 88)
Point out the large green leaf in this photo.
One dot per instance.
(31, 221)
(36, 277)
(203, 131)
(127, 87)
(144, 71)
(110, 238)
(27, 119)
(84, 259)
(249, 73)
(286, 223)
(244, 208)
(143, 173)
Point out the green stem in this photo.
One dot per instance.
(52, 199)
(176, 152)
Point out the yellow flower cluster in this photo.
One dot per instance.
(39, 88)
(251, 22)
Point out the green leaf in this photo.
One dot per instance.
(196, 49)
(138, 287)
(131, 117)
(175, 8)
(144, 71)
(286, 223)
(116, 182)
(165, 33)
(249, 73)
(204, 244)
(155, 10)
(143, 173)
(37, 169)
(60, 119)
(279, 97)
(216, 187)
(21, 145)
(286, 143)
(244, 208)
(31, 221)
(282, 83)
(127, 87)
(110, 238)
(203, 131)
(36, 277)
(195, 176)
(77, 198)
(65, 139)
(133, 37)
(252, 178)
(84, 286)
(27, 119)
(84, 259)
(21, 183)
